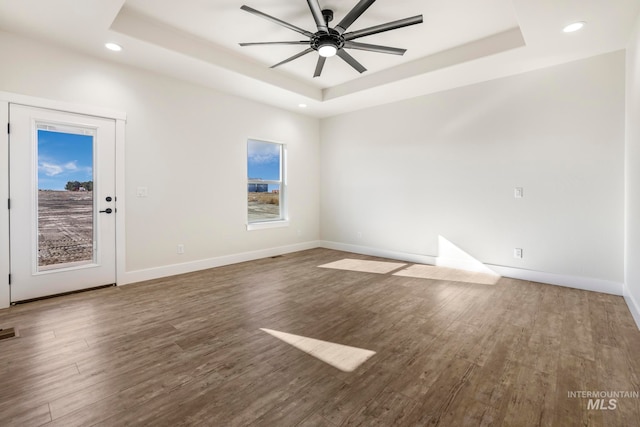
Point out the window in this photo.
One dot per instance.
(266, 184)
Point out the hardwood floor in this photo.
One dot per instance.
(188, 350)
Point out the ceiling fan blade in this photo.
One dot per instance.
(316, 11)
(276, 20)
(351, 61)
(374, 48)
(353, 15)
(384, 27)
(296, 56)
(263, 43)
(319, 66)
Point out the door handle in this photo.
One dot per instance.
(108, 210)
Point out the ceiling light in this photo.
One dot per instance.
(573, 27)
(327, 50)
(113, 46)
(302, 105)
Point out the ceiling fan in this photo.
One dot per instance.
(329, 41)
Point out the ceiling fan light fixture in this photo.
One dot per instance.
(327, 50)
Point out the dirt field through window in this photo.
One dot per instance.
(65, 227)
(263, 206)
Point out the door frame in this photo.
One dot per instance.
(120, 118)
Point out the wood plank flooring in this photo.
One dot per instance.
(188, 350)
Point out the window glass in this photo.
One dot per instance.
(265, 195)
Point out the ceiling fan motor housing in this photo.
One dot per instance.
(332, 38)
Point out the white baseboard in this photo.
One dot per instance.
(461, 264)
(382, 253)
(189, 267)
(584, 283)
(633, 305)
(577, 282)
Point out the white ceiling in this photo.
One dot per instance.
(460, 42)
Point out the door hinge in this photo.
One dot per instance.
(8, 203)
(9, 278)
(8, 128)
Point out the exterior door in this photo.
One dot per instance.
(62, 202)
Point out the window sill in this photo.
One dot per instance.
(267, 224)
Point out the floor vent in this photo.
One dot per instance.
(7, 333)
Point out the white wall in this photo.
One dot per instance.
(187, 144)
(447, 164)
(632, 268)
(401, 174)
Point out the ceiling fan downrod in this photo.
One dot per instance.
(327, 14)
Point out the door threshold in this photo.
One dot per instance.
(62, 294)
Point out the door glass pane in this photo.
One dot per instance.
(65, 196)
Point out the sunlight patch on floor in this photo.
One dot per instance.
(342, 357)
(364, 266)
(448, 274)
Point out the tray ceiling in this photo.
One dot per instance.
(460, 42)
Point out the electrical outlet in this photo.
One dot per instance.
(359, 235)
(518, 192)
(517, 253)
(181, 249)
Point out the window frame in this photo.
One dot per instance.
(283, 219)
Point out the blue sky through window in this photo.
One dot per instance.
(63, 157)
(263, 161)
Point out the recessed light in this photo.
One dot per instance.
(113, 46)
(302, 105)
(573, 27)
